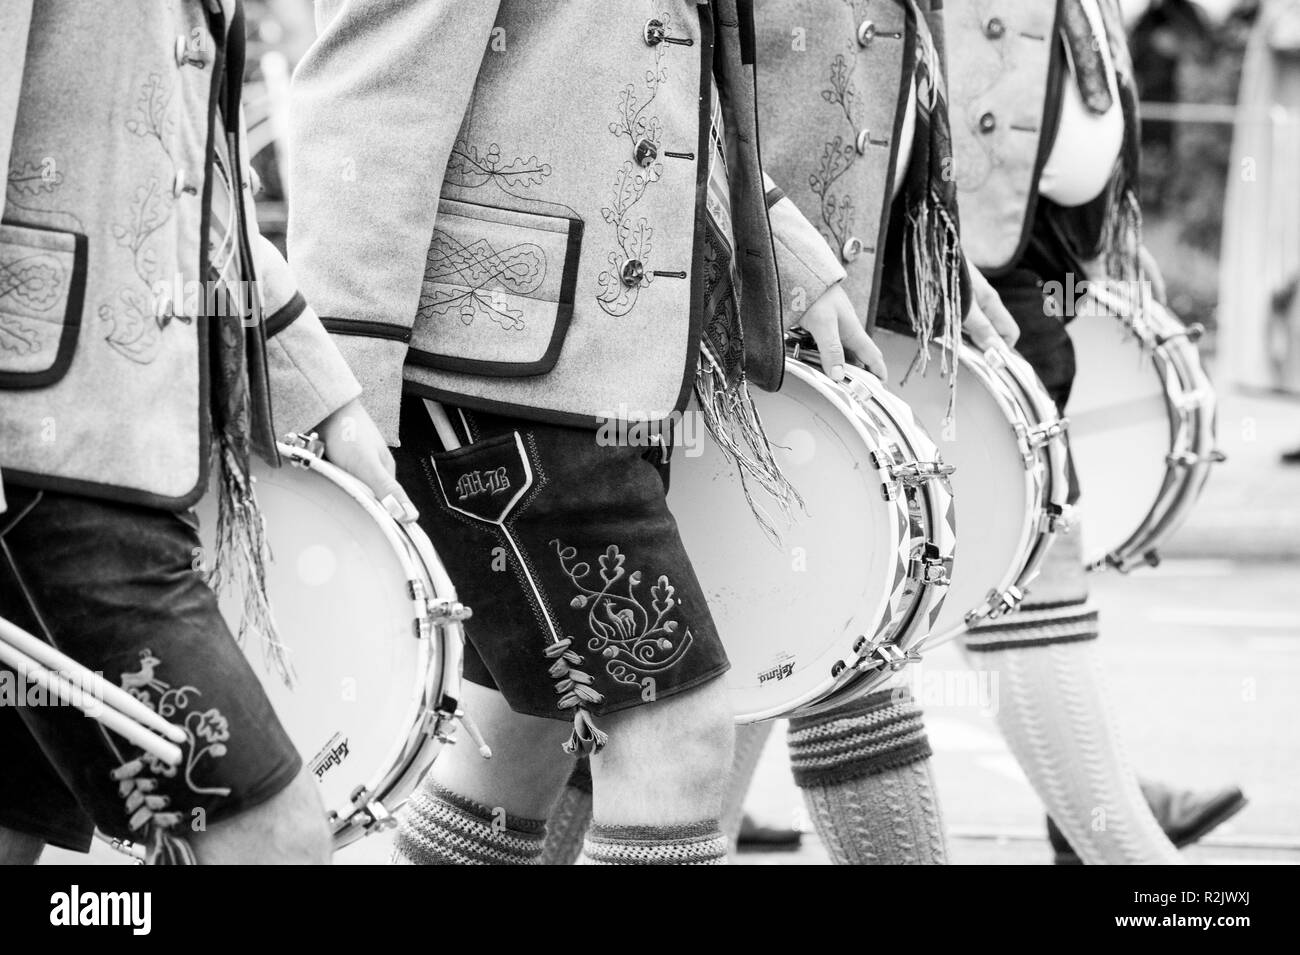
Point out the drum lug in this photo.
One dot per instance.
(1000, 603)
(1025, 441)
(1042, 436)
(1193, 333)
(379, 816)
(1189, 459)
(929, 569)
(443, 611)
(893, 657)
(311, 443)
(1059, 518)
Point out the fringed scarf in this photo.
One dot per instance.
(721, 390)
(240, 400)
(1121, 232)
(932, 258)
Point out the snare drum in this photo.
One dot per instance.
(371, 633)
(1142, 428)
(844, 597)
(1006, 442)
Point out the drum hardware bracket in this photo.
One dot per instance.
(311, 443)
(1042, 436)
(892, 656)
(1189, 459)
(1193, 333)
(380, 817)
(1059, 518)
(445, 611)
(930, 570)
(911, 474)
(998, 603)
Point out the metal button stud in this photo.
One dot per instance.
(862, 141)
(645, 152)
(633, 272)
(988, 123)
(866, 32)
(851, 249)
(182, 185)
(994, 28)
(654, 32)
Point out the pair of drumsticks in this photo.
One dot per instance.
(65, 680)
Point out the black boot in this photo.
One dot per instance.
(1184, 815)
(756, 838)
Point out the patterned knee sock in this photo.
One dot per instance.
(438, 827)
(699, 843)
(1053, 711)
(750, 740)
(567, 824)
(865, 775)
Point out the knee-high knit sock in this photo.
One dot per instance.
(866, 780)
(1053, 711)
(438, 827)
(750, 740)
(699, 843)
(567, 824)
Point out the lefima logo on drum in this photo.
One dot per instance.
(129, 909)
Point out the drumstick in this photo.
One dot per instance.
(60, 688)
(442, 424)
(113, 696)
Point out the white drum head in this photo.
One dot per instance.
(338, 593)
(995, 513)
(1119, 432)
(789, 613)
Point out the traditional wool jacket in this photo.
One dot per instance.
(1005, 73)
(833, 84)
(109, 124)
(501, 202)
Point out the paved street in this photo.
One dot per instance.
(1203, 656)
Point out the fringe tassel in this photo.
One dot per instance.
(932, 263)
(586, 739)
(243, 554)
(1121, 244)
(165, 849)
(733, 423)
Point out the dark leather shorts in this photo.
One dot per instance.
(114, 586)
(549, 536)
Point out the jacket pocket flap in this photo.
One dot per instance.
(498, 290)
(42, 285)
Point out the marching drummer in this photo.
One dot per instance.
(1046, 149)
(539, 262)
(119, 405)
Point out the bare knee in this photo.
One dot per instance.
(668, 761)
(18, 848)
(289, 828)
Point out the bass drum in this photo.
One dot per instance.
(843, 597)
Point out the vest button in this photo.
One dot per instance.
(988, 123)
(188, 54)
(182, 186)
(645, 152)
(851, 249)
(861, 142)
(994, 28)
(654, 32)
(866, 32)
(632, 273)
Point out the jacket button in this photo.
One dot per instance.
(645, 152)
(633, 272)
(851, 249)
(866, 32)
(988, 123)
(861, 142)
(195, 55)
(182, 185)
(994, 28)
(654, 32)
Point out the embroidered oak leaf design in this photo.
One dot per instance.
(132, 332)
(30, 179)
(469, 168)
(473, 279)
(634, 639)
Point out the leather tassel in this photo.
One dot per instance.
(586, 738)
(932, 275)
